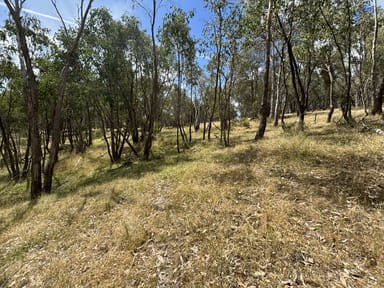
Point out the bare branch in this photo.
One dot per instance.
(148, 11)
(80, 10)
(60, 16)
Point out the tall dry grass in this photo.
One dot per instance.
(295, 209)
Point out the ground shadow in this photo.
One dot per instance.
(335, 177)
(131, 170)
(347, 176)
(10, 196)
(18, 215)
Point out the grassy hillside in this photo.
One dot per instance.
(295, 209)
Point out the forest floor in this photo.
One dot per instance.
(292, 210)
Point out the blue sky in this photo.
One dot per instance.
(44, 10)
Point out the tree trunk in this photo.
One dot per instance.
(9, 154)
(375, 95)
(57, 122)
(25, 169)
(196, 108)
(347, 99)
(346, 103)
(178, 104)
(89, 124)
(192, 110)
(297, 84)
(30, 90)
(265, 105)
(331, 104)
(378, 100)
(285, 96)
(148, 136)
(217, 75)
(204, 124)
(273, 85)
(278, 96)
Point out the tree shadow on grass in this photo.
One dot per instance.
(135, 170)
(17, 215)
(333, 136)
(336, 177)
(13, 193)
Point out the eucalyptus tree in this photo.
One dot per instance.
(180, 48)
(79, 111)
(339, 20)
(223, 44)
(50, 68)
(12, 120)
(298, 30)
(30, 90)
(328, 75)
(231, 47)
(362, 60)
(77, 107)
(205, 93)
(101, 37)
(111, 55)
(249, 78)
(281, 96)
(265, 104)
(49, 71)
(307, 49)
(68, 61)
(151, 109)
(378, 101)
(377, 97)
(139, 54)
(193, 74)
(214, 31)
(257, 30)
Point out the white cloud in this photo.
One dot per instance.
(44, 10)
(29, 11)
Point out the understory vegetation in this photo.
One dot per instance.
(298, 208)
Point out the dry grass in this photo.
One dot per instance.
(295, 209)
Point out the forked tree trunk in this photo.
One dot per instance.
(346, 103)
(298, 88)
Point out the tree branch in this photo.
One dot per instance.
(60, 16)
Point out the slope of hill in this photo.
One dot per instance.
(294, 209)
